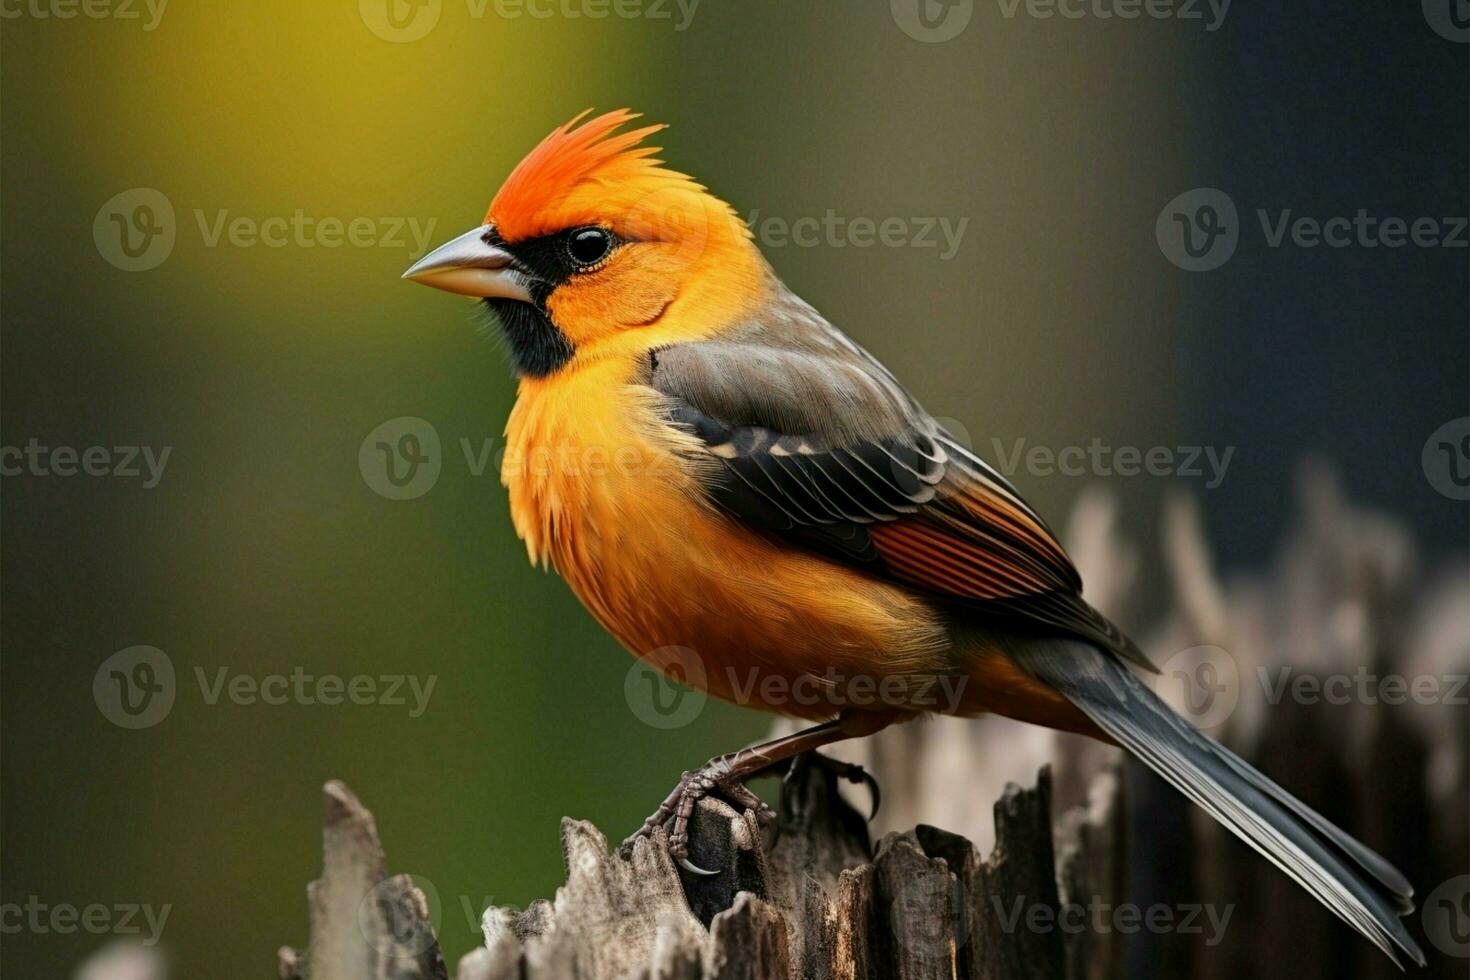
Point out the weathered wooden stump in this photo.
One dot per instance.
(807, 897)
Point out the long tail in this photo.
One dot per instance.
(1357, 884)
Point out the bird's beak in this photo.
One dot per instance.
(470, 266)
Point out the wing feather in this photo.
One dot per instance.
(899, 497)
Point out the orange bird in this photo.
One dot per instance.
(713, 467)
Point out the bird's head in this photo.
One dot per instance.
(591, 248)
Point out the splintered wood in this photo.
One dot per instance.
(807, 897)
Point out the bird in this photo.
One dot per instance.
(715, 469)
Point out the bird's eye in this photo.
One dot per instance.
(589, 246)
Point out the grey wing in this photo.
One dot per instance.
(823, 448)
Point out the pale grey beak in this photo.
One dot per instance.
(469, 266)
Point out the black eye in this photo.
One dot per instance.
(589, 246)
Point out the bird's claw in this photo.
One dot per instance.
(857, 774)
(850, 771)
(677, 809)
(693, 868)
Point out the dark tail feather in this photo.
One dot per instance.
(1357, 884)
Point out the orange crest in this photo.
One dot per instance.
(572, 156)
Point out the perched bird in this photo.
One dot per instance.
(713, 467)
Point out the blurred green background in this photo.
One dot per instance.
(263, 549)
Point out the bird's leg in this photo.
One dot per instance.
(727, 774)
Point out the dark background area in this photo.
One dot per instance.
(1356, 354)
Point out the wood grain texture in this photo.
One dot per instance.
(808, 898)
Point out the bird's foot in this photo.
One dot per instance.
(724, 775)
(850, 771)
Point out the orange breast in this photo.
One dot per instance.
(609, 496)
